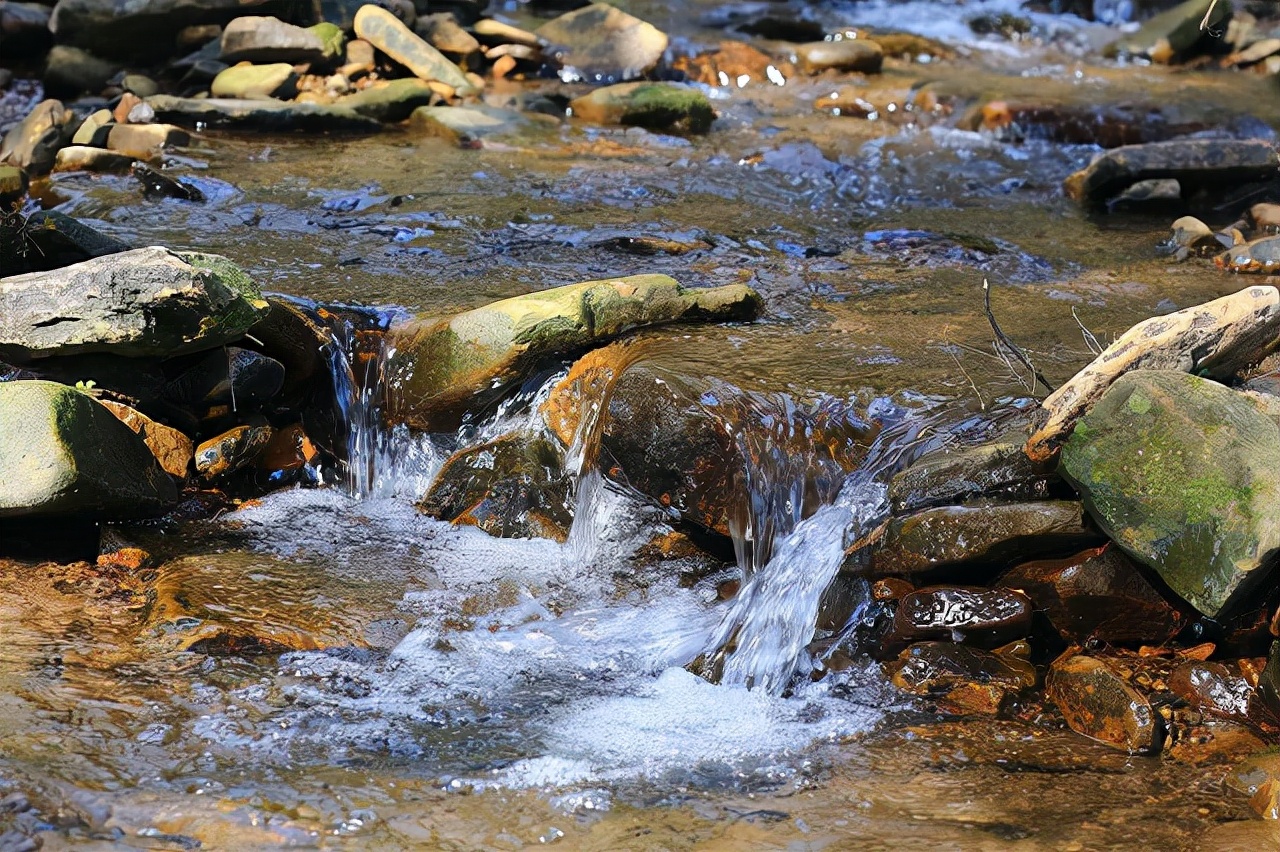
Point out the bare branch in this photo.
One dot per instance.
(1003, 338)
(1089, 340)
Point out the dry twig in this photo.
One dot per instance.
(1003, 339)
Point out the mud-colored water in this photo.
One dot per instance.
(322, 671)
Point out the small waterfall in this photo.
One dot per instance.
(761, 639)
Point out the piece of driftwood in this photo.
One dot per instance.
(1216, 339)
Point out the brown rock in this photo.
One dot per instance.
(1214, 689)
(127, 102)
(1259, 779)
(231, 451)
(972, 679)
(856, 54)
(288, 449)
(170, 447)
(1098, 703)
(733, 64)
(585, 390)
(984, 617)
(1097, 594)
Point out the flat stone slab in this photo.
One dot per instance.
(1216, 163)
(272, 116)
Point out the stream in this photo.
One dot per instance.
(328, 668)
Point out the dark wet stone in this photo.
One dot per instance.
(849, 54)
(296, 340)
(33, 144)
(289, 450)
(260, 115)
(1269, 682)
(987, 618)
(794, 29)
(442, 31)
(231, 376)
(511, 487)
(142, 302)
(1097, 594)
(602, 44)
(1098, 703)
(51, 240)
(158, 185)
(394, 100)
(982, 533)
(1184, 474)
(970, 679)
(70, 71)
(13, 188)
(24, 30)
(653, 106)
(1214, 165)
(999, 469)
(232, 450)
(61, 453)
(262, 39)
(1258, 778)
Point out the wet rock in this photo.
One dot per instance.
(459, 124)
(1259, 779)
(997, 469)
(142, 302)
(1097, 594)
(63, 453)
(291, 337)
(144, 141)
(24, 30)
(288, 450)
(511, 487)
(228, 376)
(601, 44)
(140, 85)
(393, 100)
(442, 367)
(848, 54)
(158, 185)
(732, 63)
(982, 533)
(1214, 689)
(1269, 682)
(13, 188)
(1266, 217)
(70, 71)
(1176, 35)
(81, 158)
(443, 32)
(1209, 164)
(255, 82)
(496, 32)
(1192, 238)
(970, 679)
(33, 144)
(385, 32)
(93, 130)
(270, 116)
(145, 31)
(1098, 703)
(1258, 256)
(1184, 474)
(56, 240)
(987, 618)
(269, 40)
(172, 449)
(583, 394)
(232, 450)
(1216, 339)
(653, 106)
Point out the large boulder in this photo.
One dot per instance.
(62, 453)
(441, 368)
(145, 302)
(1184, 474)
(601, 44)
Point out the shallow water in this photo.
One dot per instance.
(324, 670)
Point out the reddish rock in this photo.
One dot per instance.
(1098, 703)
(984, 617)
(969, 679)
(172, 449)
(1212, 688)
(1097, 594)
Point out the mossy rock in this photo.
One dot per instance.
(1184, 474)
(653, 106)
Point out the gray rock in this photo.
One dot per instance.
(266, 40)
(1213, 164)
(143, 141)
(394, 100)
(63, 453)
(442, 31)
(850, 54)
(141, 85)
(260, 115)
(33, 145)
(997, 469)
(24, 30)
(255, 82)
(601, 44)
(1184, 474)
(70, 71)
(478, 122)
(1176, 35)
(388, 34)
(142, 302)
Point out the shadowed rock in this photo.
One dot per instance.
(1216, 164)
(33, 144)
(1098, 703)
(440, 368)
(260, 115)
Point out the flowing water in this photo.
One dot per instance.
(327, 667)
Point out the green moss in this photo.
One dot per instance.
(659, 107)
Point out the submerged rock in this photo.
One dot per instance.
(442, 368)
(997, 469)
(1097, 594)
(601, 44)
(1259, 779)
(653, 106)
(142, 302)
(263, 115)
(387, 33)
(983, 533)
(1098, 703)
(457, 124)
(988, 618)
(33, 144)
(970, 679)
(62, 453)
(1210, 164)
(394, 100)
(159, 185)
(511, 487)
(1184, 474)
